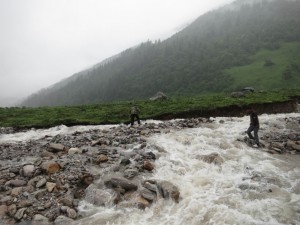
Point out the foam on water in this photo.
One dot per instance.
(35, 134)
(218, 194)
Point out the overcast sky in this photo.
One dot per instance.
(44, 41)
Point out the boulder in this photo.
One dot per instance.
(39, 219)
(163, 188)
(120, 182)
(56, 147)
(3, 211)
(169, 190)
(211, 158)
(97, 196)
(50, 186)
(51, 167)
(20, 213)
(41, 182)
(16, 191)
(148, 165)
(159, 96)
(73, 151)
(248, 89)
(63, 220)
(28, 170)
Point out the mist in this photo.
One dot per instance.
(43, 42)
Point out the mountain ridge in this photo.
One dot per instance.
(191, 61)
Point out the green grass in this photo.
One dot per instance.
(269, 77)
(118, 112)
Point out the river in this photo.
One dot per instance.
(251, 186)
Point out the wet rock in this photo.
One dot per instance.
(39, 219)
(169, 190)
(211, 158)
(87, 179)
(71, 213)
(28, 170)
(66, 200)
(5, 199)
(63, 220)
(12, 209)
(134, 199)
(148, 165)
(130, 173)
(56, 147)
(47, 154)
(97, 196)
(20, 213)
(24, 203)
(293, 145)
(41, 183)
(73, 151)
(125, 161)
(102, 158)
(16, 191)
(50, 186)
(147, 194)
(52, 213)
(142, 203)
(51, 167)
(39, 194)
(16, 183)
(121, 182)
(3, 211)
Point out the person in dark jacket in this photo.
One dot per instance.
(254, 126)
(134, 113)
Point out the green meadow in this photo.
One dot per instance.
(118, 112)
(269, 69)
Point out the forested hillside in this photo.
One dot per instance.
(196, 60)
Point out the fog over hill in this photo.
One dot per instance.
(195, 60)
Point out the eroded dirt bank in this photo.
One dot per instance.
(236, 110)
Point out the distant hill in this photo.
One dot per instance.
(242, 44)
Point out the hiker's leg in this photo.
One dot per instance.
(250, 129)
(256, 135)
(138, 119)
(131, 119)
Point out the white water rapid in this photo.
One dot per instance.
(216, 194)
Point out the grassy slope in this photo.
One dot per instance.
(267, 78)
(119, 112)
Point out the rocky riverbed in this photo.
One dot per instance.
(43, 181)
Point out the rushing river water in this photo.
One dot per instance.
(216, 194)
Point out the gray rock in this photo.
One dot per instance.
(97, 196)
(28, 170)
(121, 182)
(39, 219)
(147, 194)
(16, 183)
(169, 190)
(71, 213)
(5, 199)
(159, 96)
(211, 158)
(3, 211)
(41, 183)
(130, 173)
(56, 147)
(63, 220)
(20, 213)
